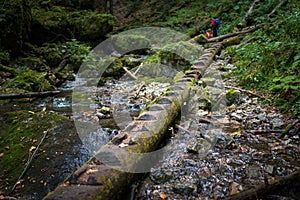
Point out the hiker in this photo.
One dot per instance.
(215, 24)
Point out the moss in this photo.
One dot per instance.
(22, 129)
(83, 25)
(35, 63)
(128, 43)
(91, 25)
(200, 39)
(179, 56)
(231, 96)
(29, 80)
(223, 68)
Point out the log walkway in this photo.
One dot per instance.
(110, 180)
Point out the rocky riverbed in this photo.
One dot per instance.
(234, 148)
(226, 140)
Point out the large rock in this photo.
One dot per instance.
(59, 23)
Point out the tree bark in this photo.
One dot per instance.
(262, 191)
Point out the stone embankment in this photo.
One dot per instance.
(116, 166)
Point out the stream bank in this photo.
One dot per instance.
(247, 152)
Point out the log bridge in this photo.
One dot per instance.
(97, 179)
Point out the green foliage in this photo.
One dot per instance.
(29, 80)
(179, 55)
(34, 63)
(4, 56)
(73, 51)
(271, 60)
(83, 24)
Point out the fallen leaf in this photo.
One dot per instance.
(32, 148)
(123, 145)
(89, 171)
(235, 133)
(31, 112)
(7, 147)
(234, 188)
(1, 154)
(163, 196)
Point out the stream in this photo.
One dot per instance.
(65, 149)
(207, 162)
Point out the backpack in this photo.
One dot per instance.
(209, 34)
(218, 22)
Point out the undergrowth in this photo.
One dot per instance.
(269, 59)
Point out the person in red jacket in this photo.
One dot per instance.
(215, 24)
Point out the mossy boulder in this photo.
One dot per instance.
(21, 131)
(90, 25)
(179, 55)
(60, 23)
(55, 143)
(29, 80)
(131, 43)
(233, 97)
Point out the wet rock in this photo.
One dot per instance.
(262, 116)
(184, 188)
(233, 97)
(105, 110)
(277, 123)
(195, 146)
(236, 116)
(159, 176)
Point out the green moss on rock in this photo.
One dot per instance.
(83, 25)
(22, 131)
(29, 80)
(127, 43)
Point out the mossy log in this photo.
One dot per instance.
(114, 168)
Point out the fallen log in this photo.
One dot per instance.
(274, 10)
(222, 37)
(250, 10)
(116, 166)
(288, 128)
(248, 92)
(28, 95)
(262, 191)
(129, 73)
